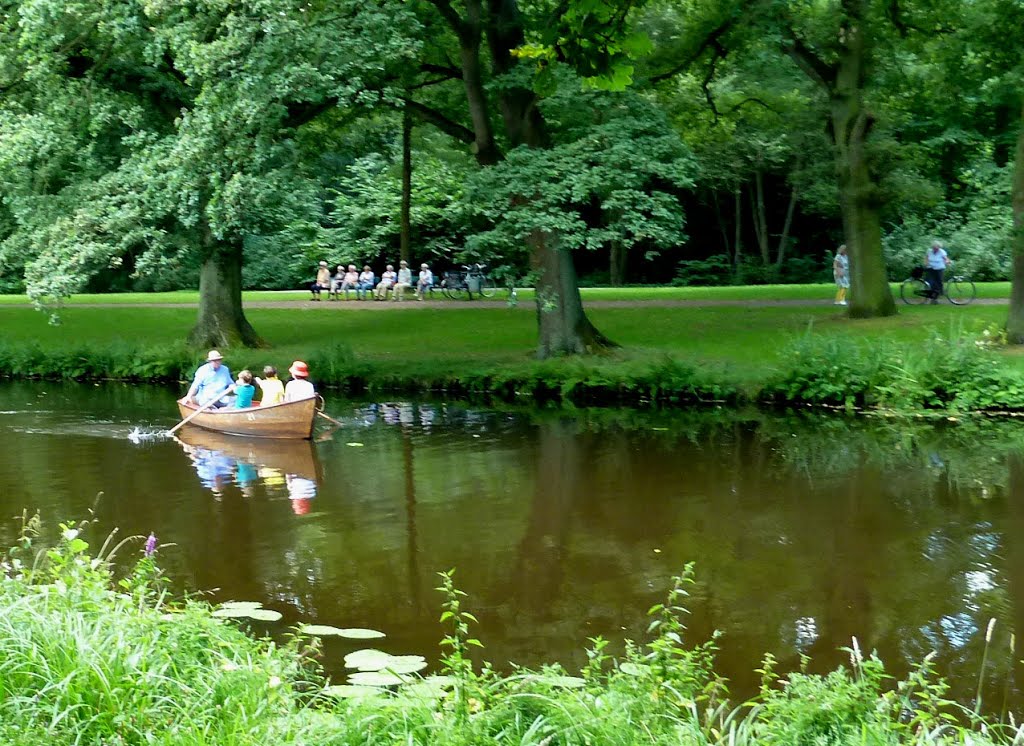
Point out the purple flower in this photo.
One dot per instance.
(150, 549)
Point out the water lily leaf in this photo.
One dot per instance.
(261, 615)
(405, 664)
(349, 691)
(320, 630)
(241, 605)
(376, 678)
(357, 633)
(355, 445)
(631, 669)
(367, 660)
(424, 690)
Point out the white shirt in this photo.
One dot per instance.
(426, 277)
(405, 275)
(937, 259)
(298, 388)
(366, 277)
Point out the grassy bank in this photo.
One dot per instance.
(669, 353)
(91, 659)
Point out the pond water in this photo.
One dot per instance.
(805, 530)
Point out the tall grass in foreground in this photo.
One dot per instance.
(89, 659)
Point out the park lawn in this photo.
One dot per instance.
(809, 292)
(743, 344)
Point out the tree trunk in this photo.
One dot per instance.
(721, 224)
(1015, 322)
(563, 328)
(617, 264)
(221, 321)
(784, 238)
(760, 218)
(870, 295)
(405, 236)
(738, 236)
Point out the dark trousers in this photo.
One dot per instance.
(934, 278)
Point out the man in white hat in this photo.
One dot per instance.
(210, 382)
(323, 281)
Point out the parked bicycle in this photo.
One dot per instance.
(958, 289)
(472, 279)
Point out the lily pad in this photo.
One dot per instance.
(376, 678)
(404, 664)
(355, 445)
(349, 691)
(320, 630)
(424, 690)
(241, 605)
(260, 615)
(358, 633)
(367, 660)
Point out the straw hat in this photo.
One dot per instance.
(323, 264)
(299, 369)
(213, 355)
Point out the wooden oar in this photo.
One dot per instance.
(200, 410)
(330, 419)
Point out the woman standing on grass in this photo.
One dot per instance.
(841, 273)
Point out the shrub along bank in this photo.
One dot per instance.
(90, 659)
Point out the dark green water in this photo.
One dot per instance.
(562, 526)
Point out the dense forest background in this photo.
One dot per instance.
(303, 131)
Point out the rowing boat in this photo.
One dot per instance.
(292, 419)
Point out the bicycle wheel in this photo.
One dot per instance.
(960, 291)
(487, 287)
(914, 292)
(455, 288)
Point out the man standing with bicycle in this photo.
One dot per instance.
(936, 260)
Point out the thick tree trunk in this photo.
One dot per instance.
(1015, 322)
(859, 199)
(405, 236)
(617, 264)
(870, 295)
(221, 321)
(563, 328)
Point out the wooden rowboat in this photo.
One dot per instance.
(292, 419)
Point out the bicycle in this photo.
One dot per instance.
(958, 289)
(472, 279)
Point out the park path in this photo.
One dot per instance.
(527, 305)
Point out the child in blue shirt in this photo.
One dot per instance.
(244, 390)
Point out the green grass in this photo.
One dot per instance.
(633, 293)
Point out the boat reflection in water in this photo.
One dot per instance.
(282, 467)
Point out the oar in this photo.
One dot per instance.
(200, 410)
(331, 419)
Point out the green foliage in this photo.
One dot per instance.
(613, 177)
(954, 372)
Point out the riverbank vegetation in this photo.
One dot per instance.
(94, 658)
(939, 358)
